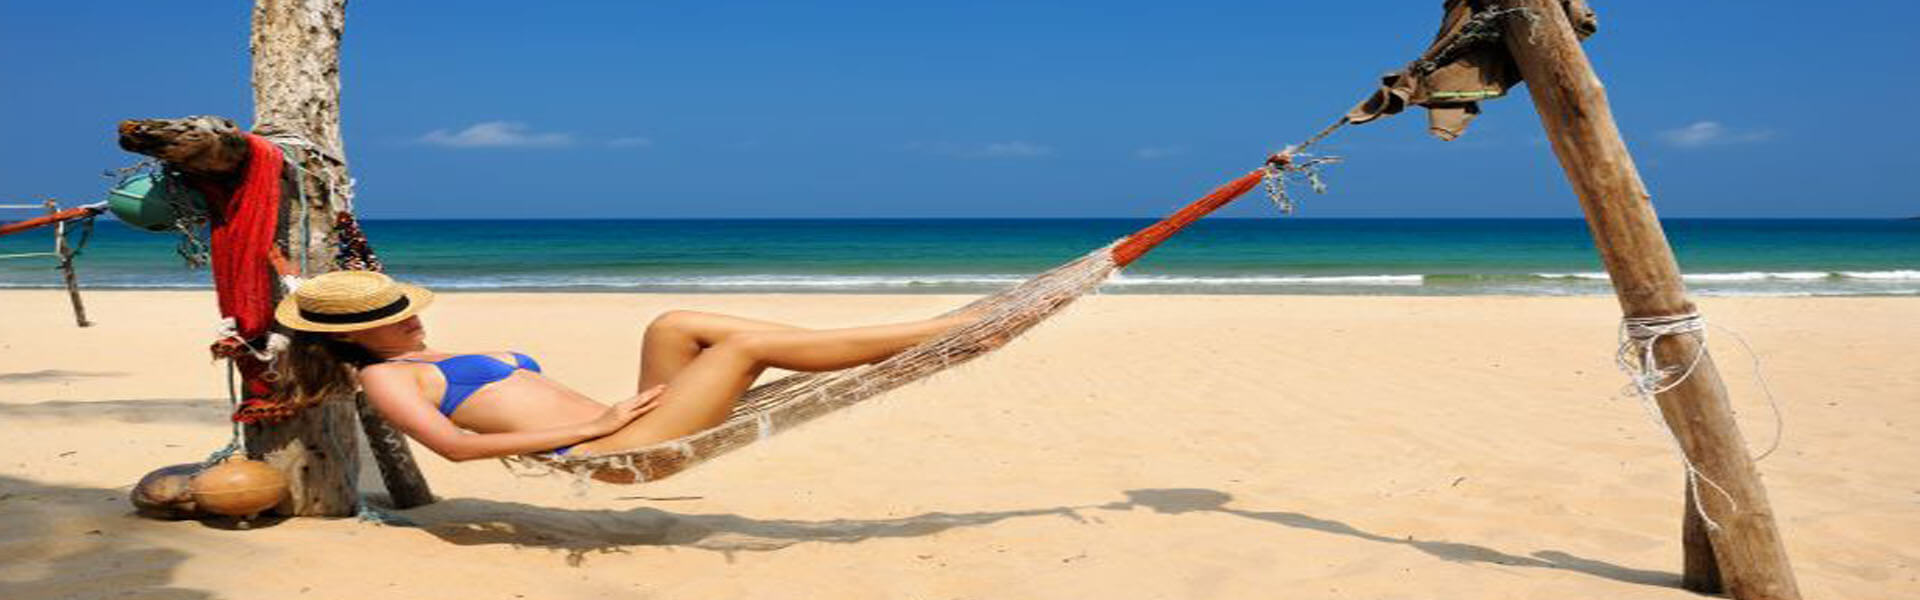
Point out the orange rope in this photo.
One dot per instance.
(1145, 239)
(45, 220)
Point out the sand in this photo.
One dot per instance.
(1134, 447)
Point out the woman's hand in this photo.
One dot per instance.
(625, 411)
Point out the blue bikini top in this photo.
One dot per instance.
(467, 373)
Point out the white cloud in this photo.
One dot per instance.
(1711, 133)
(1013, 149)
(496, 134)
(1158, 152)
(630, 142)
(1009, 149)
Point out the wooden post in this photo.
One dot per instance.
(296, 91)
(65, 254)
(1699, 569)
(406, 487)
(1573, 108)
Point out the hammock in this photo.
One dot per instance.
(781, 404)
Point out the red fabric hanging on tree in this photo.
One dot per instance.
(244, 220)
(243, 228)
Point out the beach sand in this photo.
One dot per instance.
(1133, 447)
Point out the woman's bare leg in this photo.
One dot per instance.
(675, 337)
(703, 392)
(835, 349)
(698, 397)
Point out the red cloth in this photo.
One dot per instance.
(244, 220)
(243, 227)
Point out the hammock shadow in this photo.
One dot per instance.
(75, 539)
(471, 521)
(1184, 500)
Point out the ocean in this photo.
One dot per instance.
(1536, 257)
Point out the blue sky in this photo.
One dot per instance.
(977, 109)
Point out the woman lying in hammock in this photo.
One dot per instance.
(693, 367)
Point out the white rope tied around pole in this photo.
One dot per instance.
(1635, 357)
(1647, 378)
(336, 200)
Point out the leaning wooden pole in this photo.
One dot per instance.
(296, 88)
(64, 253)
(1573, 107)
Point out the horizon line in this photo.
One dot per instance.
(1148, 218)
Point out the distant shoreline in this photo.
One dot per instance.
(1105, 219)
(1291, 257)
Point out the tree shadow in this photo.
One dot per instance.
(470, 521)
(145, 410)
(1185, 500)
(60, 543)
(55, 375)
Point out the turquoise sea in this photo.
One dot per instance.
(1224, 256)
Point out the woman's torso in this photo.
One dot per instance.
(508, 397)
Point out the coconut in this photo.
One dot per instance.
(238, 488)
(166, 493)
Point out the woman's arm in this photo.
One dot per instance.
(395, 394)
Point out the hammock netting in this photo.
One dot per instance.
(784, 403)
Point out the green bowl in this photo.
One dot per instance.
(147, 202)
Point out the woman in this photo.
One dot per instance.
(463, 406)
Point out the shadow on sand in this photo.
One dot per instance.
(155, 410)
(55, 375)
(470, 521)
(71, 542)
(1185, 500)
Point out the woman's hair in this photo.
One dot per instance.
(316, 366)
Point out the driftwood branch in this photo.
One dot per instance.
(202, 146)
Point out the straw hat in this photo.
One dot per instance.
(350, 301)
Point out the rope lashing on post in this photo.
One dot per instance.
(1482, 27)
(1647, 378)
